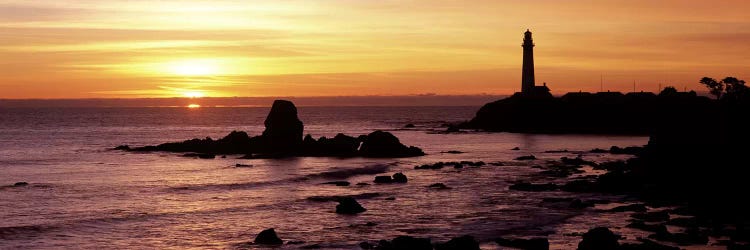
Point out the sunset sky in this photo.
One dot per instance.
(138, 48)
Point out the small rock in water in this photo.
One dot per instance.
(458, 166)
(383, 179)
(400, 178)
(410, 125)
(338, 183)
(242, 165)
(465, 242)
(526, 158)
(122, 147)
(21, 184)
(599, 238)
(348, 205)
(453, 152)
(390, 198)
(516, 148)
(526, 244)
(268, 237)
(438, 186)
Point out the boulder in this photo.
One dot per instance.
(283, 131)
(384, 144)
(348, 205)
(465, 242)
(383, 179)
(526, 244)
(598, 239)
(268, 237)
(526, 158)
(400, 178)
(405, 243)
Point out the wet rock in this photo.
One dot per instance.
(405, 243)
(200, 155)
(340, 145)
(654, 228)
(452, 152)
(580, 186)
(516, 148)
(598, 239)
(390, 198)
(577, 161)
(458, 166)
(283, 131)
(242, 165)
(646, 245)
(652, 216)
(526, 158)
(438, 186)
(383, 179)
(579, 204)
(338, 183)
(626, 151)
(268, 237)
(400, 178)
(465, 242)
(313, 246)
(348, 205)
(437, 165)
(525, 244)
(384, 144)
(630, 208)
(410, 125)
(122, 147)
(21, 184)
(599, 151)
(691, 236)
(525, 186)
(474, 163)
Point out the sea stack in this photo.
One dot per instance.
(283, 128)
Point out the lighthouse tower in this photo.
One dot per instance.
(527, 77)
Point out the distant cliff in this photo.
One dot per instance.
(588, 113)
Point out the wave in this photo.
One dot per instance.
(337, 173)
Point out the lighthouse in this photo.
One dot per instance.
(527, 77)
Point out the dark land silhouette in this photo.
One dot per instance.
(283, 138)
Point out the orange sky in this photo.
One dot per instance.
(138, 48)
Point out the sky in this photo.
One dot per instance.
(227, 48)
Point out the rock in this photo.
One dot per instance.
(598, 239)
(390, 198)
(652, 216)
(465, 242)
(405, 243)
(283, 131)
(452, 152)
(348, 205)
(599, 151)
(410, 125)
(122, 147)
(654, 228)
(516, 148)
(242, 165)
(338, 183)
(295, 242)
(578, 204)
(21, 184)
(525, 186)
(526, 244)
(438, 186)
(313, 246)
(646, 245)
(577, 161)
(458, 166)
(453, 129)
(400, 178)
(340, 145)
(268, 237)
(366, 245)
(526, 158)
(437, 165)
(384, 144)
(630, 208)
(626, 151)
(383, 179)
(200, 155)
(691, 236)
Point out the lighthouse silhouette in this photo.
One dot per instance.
(528, 84)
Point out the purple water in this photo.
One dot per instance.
(82, 195)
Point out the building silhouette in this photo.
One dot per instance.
(528, 84)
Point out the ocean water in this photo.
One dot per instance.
(82, 195)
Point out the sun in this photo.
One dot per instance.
(193, 67)
(193, 106)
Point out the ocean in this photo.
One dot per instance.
(81, 194)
